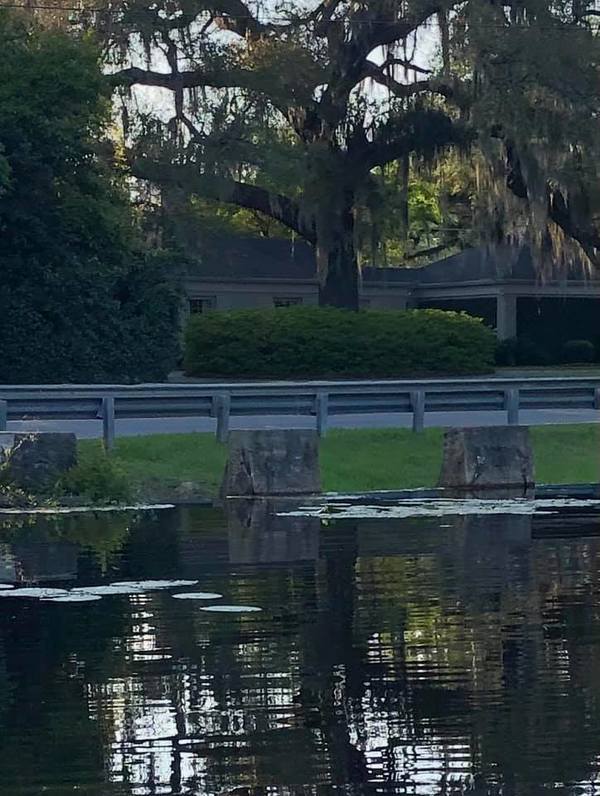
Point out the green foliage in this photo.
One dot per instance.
(315, 342)
(84, 301)
(578, 351)
(96, 478)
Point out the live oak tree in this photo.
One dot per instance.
(338, 91)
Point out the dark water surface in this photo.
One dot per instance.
(418, 656)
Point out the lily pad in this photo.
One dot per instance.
(151, 585)
(232, 609)
(37, 593)
(43, 510)
(198, 595)
(441, 507)
(109, 589)
(73, 598)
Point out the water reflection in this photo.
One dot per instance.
(258, 535)
(417, 656)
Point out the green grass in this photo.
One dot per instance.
(353, 460)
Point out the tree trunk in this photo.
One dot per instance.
(336, 257)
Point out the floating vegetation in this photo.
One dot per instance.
(87, 509)
(151, 585)
(231, 609)
(93, 593)
(198, 595)
(440, 507)
(111, 588)
(38, 593)
(73, 598)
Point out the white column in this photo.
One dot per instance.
(506, 316)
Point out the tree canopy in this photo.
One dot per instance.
(326, 97)
(81, 301)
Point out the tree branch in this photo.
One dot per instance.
(236, 17)
(217, 78)
(387, 33)
(432, 250)
(421, 132)
(407, 64)
(277, 206)
(406, 90)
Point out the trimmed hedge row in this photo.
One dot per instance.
(314, 342)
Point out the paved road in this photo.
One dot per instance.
(92, 428)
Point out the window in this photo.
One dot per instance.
(202, 304)
(287, 301)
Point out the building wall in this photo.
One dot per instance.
(265, 294)
(250, 295)
(389, 298)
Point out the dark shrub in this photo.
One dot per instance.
(507, 352)
(520, 351)
(578, 351)
(530, 352)
(317, 342)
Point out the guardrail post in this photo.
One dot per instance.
(108, 422)
(322, 411)
(417, 401)
(3, 415)
(222, 409)
(597, 398)
(511, 403)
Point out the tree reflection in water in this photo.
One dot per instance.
(417, 656)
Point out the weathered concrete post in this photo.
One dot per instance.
(268, 463)
(487, 458)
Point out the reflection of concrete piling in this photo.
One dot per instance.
(487, 458)
(258, 535)
(266, 463)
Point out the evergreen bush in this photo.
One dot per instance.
(314, 342)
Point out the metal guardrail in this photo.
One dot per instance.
(318, 398)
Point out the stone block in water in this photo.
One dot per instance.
(487, 458)
(267, 463)
(37, 460)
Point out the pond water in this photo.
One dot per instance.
(424, 655)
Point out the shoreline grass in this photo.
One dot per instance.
(352, 460)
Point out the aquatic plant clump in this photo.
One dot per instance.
(232, 609)
(38, 593)
(438, 508)
(150, 585)
(92, 593)
(198, 595)
(110, 589)
(73, 598)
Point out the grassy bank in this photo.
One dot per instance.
(352, 460)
